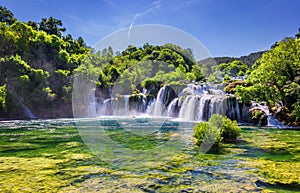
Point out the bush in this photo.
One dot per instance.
(230, 130)
(217, 129)
(207, 133)
(199, 132)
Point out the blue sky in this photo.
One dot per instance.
(225, 27)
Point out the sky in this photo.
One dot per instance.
(225, 27)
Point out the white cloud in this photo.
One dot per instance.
(152, 7)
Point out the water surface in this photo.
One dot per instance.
(142, 155)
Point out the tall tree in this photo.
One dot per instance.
(52, 26)
(298, 34)
(33, 24)
(276, 77)
(7, 16)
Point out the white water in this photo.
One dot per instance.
(203, 108)
(126, 104)
(193, 103)
(187, 110)
(172, 108)
(272, 121)
(158, 104)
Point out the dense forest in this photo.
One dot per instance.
(38, 63)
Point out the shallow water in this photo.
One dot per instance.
(142, 155)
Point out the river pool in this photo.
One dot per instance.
(142, 155)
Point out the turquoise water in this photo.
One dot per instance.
(142, 155)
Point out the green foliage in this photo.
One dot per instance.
(217, 129)
(198, 72)
(226, 78)
(199, 132)
(233, 69)
(135, 66)
(213, 78)
(296, 110)
(36, 63)
(88, 71)
(275, 77)
(206, 133)
(6, 16)
(52, 26)
(3, 97)
(11, 68)
(230, 130)
(49, 92)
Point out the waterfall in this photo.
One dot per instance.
(90, 102)
(233, 109)
(237, 110)
(107, 110)
(272, 121)
(159, 104)
(217, 105)
(192, 103)
(187, 110)
(171, 111)
(203, 108)
(140, 102)
(126, 104)
(120, 105)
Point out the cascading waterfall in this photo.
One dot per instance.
(188, 108)
(233, 109)
(158, 108)
(120, 105)
(126, 104)
(272, 121)
(171, 111)
(193, 103)
(90, 102)
(202, 107)
(245, 112)
(217, 105)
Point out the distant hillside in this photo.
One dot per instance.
(249, 59)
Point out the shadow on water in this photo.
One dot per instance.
(279, 186)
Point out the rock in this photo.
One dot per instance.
(283, 114)
(230, 88)
(258, 117)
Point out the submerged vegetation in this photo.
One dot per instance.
(50, 156)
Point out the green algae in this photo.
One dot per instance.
(53, 158)
(275, 158)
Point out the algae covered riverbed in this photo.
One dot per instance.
(64, 156)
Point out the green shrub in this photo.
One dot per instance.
(217, 129)
(230, 130)
(199, 132)
(208, 134)
(216, 120)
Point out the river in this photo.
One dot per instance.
(142, 154)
